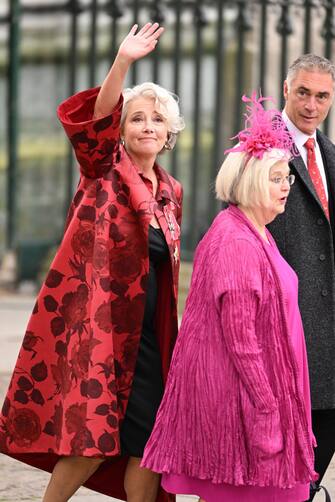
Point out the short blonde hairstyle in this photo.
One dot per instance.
(246, 181)
(166, 103)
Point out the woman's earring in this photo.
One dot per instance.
(170, 141)
(167, 145)
(118, 153)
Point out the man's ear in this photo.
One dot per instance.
(285, 90)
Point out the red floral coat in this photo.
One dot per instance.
(71, 384)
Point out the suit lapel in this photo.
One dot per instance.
(301, 171)
(328, 154)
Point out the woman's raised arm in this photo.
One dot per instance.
(134, 46)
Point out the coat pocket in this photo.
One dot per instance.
(266, 434)
(263, 429)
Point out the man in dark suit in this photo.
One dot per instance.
(305, 235)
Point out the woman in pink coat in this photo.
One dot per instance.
(234, 423)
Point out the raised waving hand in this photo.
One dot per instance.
(137, 45)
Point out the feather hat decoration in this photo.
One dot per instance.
(264, 131)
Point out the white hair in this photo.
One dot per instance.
(166, 103)
(246, 181)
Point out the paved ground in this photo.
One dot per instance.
(19, 482)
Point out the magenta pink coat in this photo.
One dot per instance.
(233, 411)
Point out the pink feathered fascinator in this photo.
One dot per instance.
(264, 130)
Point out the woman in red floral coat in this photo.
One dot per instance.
(90, 374)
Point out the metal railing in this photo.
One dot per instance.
(216, 51)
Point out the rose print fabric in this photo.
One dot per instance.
(70, 387)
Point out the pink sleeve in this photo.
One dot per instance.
(95, 142)
(239, 294)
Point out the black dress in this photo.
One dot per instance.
(147, 389)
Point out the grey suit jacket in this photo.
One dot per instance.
(306, 240)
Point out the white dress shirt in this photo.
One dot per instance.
(300, 139)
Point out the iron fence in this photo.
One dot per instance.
(212, 53)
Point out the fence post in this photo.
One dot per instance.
(285, 29)
(74, 9)
(12, 119)
(328, 34)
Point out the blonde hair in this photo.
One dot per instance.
(166, 103)
(246, 181)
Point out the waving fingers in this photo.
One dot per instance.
(148, 31)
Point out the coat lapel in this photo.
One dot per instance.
(166, 213)
(165, 186)
(301, 171)
(165, 207)
(328, 157)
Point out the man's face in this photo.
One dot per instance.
(308, 99)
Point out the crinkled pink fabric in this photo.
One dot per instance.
(211, 492)
(233, 410)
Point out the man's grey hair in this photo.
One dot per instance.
(310, 62)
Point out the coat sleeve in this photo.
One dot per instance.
(238, 291)
(239, 296)
(95, 142)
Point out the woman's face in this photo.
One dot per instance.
(279, 189)
(145, 129)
